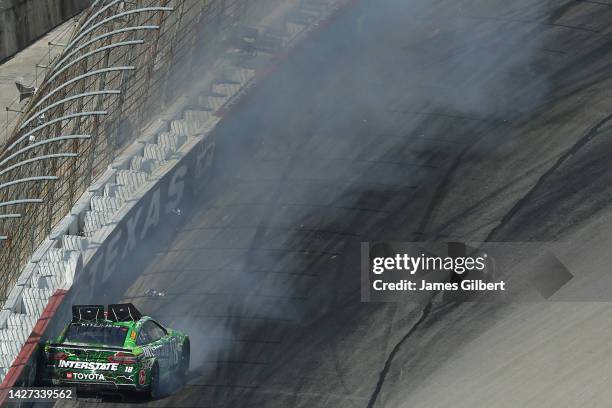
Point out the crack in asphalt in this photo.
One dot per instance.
(383, 374)
(544, 177)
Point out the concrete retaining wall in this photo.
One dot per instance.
(23, 21)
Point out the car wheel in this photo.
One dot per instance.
(154, 389)
(184, 363)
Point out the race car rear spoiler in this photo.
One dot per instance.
(118, 312)
(85, 347)
(87, 313)
(123, 312)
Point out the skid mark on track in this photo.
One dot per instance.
(590, 135)
(383, 374)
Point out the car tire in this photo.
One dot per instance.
(184, 362)
(154, 387)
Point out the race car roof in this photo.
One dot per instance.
(118, 312)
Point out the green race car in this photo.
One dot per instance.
(116, 350)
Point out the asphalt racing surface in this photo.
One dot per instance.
(402, 121)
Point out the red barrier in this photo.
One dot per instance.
(27, 351)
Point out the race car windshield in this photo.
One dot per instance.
(96, 334)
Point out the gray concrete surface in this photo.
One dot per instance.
(23, 67)
(403, 121)
(24, 21)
